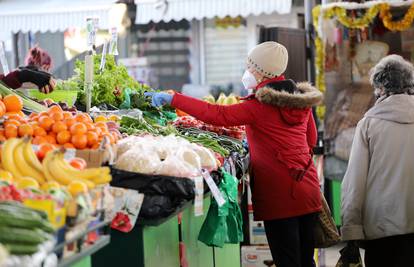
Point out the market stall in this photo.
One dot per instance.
(350, 39)
(123, 164)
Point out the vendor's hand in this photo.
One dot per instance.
(43, 80)
(159, 99)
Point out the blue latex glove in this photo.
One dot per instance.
(159, 99)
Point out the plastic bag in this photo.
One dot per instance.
(350, 256)
(223, 224)
(127, 99)
(175, 166)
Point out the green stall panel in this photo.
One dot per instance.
(198, 254)
(336, 201)
(161, 244)
(228, 256)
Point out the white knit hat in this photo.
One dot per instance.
(269, 59)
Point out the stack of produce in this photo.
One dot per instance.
(220, 144)
(237, 132)
(141, 125)
(57, 127)
(22, 229)
(19, 158)
(222, 99)
(170, 155)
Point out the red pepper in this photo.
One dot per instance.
(121, 222)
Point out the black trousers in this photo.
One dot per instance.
(394, 251)
(291, 240)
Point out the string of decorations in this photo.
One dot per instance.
(340, 13)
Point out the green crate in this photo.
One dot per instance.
(68, 96)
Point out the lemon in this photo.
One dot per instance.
(77, 187)
(50, 185)
(6, 176)
(27, 182)
(101, 118)
(114, 118)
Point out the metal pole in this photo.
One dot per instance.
(309, 4)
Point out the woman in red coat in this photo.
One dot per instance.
(281, 133)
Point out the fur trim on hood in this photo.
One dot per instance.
(288, 94)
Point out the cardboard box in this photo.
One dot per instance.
(257, 234)
(260, 256)
(106, 153)
(256, 256)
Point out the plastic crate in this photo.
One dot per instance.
(68, 96)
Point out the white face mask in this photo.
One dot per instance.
(248, 80)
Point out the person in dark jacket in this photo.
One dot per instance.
(281, 133)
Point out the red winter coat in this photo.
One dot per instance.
(281, 133)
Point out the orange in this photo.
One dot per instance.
(78, 128)
(59, 126)
(12, 121)
(63, 137)
(67, 115)
(92, 138)
(56, 116)
(43, 113)
(89, 126)
(98, 131)
(44, 149)
(39, 131)
(45, 122)
(10, 130)
(78, 163)
(95, 146)
(80, 141)
(34, 118)
(83, 117)
(68, 145)
(51, 139)
(38, 140)
(69, 122)
(1, 131)
(15, 114)
(13, 103)
(25, 130)
(2, 109)
(2, 138)
(33, 114)
(54, 109)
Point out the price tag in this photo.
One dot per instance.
(213, 188)
(103, 58)
(69, 154)
(199, 196)
(113, 45)
(91, 27)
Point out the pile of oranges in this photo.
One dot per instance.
(57, 128)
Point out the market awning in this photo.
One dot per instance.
(57, 15)
(167, 10)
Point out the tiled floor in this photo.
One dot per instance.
(331, 256)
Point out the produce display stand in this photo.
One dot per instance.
(156, 245)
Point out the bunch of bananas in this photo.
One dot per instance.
(222, 99)
(19, 158)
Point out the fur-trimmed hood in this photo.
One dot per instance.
(288, 94)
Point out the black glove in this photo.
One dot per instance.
(40, 78)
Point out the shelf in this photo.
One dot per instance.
(102, 241)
